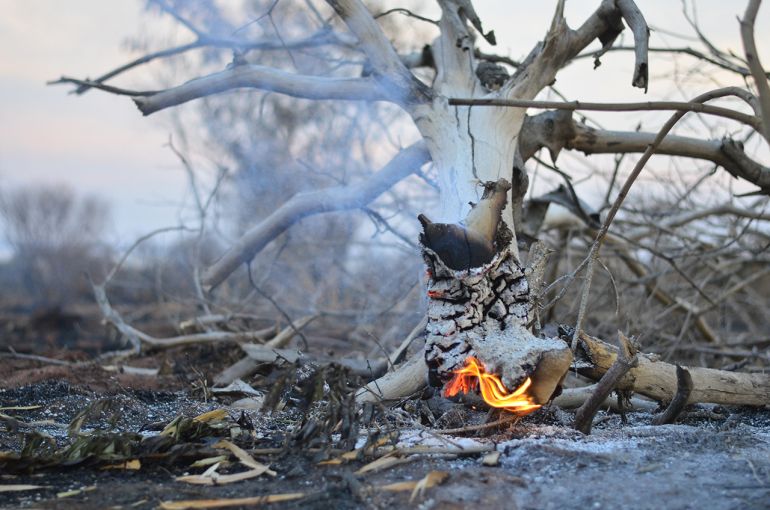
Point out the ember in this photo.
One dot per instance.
(493, 391)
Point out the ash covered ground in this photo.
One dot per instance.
(713, 458)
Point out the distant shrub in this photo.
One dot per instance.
(56, 237)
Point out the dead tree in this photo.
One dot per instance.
(472, 116)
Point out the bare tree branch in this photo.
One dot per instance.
(561, 45)
(397, 82)
(752, 58)
(453, 52)
(263, 78)
(307, 204)
(679, 402)
(657, 379)
(626, 360)
(635, 20)
(726, 153)
(681, 106)
(556, 130)
(640, 164)
(321, 38)
(729, 66)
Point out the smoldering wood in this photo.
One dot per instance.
(657, 379)
(467, 145)
(474, 242)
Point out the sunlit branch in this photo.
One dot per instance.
(725, 153)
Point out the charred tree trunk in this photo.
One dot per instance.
(480, 304)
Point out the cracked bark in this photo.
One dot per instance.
(485, 311)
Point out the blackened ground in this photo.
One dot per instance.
(718, 460)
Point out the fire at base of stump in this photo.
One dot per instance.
(483, 313)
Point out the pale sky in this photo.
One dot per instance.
(100, 144)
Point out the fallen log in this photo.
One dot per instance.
(657, 379)
(652, 378)
(407, 379)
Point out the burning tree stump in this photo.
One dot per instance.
(478, 333)
(480, 309)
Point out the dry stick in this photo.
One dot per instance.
(32, 357)
(572, 398)
(246, 366)
(684, 388)
(362, 367)
(625, 361)
(681, 106)
(752, 59)
(483, 426)
(398, 355)
(596, 246)
(407, 378)
(318, 39)
(661, 295)
(138, 337)
(684, 50)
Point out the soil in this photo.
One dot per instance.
(714, 458)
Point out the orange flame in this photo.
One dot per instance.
(493, 391)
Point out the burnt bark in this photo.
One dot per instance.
(485, 310)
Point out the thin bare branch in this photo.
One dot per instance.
(680, 106)
(679, 402)
(323, 37)
(602, 234)
(626, 360)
